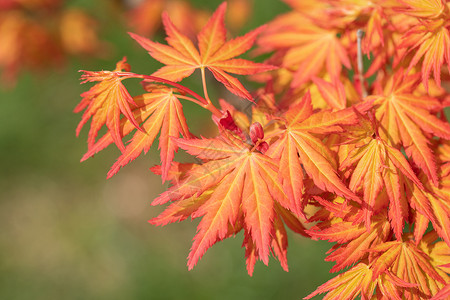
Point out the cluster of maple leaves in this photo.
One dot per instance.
(38, 34)
(356, 156)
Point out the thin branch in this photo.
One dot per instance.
(360, 35)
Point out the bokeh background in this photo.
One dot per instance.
(68, 233)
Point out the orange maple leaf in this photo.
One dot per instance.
(406, 119)
(159, 112)
(140, 113)
(279, 240)
(432, 205)
(237, 186)
(377, 168)
(346, 228)
(298, 146)
(105, 102)
(429, 38)
(307, 48)
(162, 114)
(332, 93)
(215, 53)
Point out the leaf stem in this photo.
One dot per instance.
(213, 110)
(205, 90)
(209, 106)
(205, 103)
(191, 99)
(159, 79)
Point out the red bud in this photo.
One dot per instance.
(256, 132)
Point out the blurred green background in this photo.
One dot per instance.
(68, 233)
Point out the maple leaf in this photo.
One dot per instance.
(432, 205)
(162, 113)
(397, 269)
(429, 38)
(423, 9)
(409, 263)
(377, 168)
(215, 53)
(297, 146)
(352, 237)
(406, 119)
(242, 191)
(307, 48)
(361, 279)
(439, 253)
(105, 102)
(333, 94)
(279, 244)
(141, 112)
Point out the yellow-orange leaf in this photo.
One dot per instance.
(410, 264)
(423, 8)
(361, 280)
